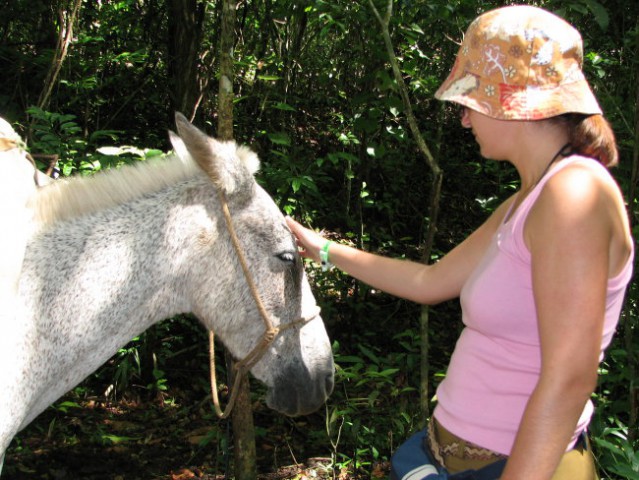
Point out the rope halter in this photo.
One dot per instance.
(241, 368)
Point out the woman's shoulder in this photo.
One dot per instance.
(581, 199)
(580, 182)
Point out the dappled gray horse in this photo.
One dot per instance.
(119, 251)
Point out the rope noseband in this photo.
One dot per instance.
(242, 367)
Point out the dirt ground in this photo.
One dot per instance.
(157, 440)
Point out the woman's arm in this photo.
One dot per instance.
(569, 232)
(426, 284)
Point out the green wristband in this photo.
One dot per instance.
(323, 254)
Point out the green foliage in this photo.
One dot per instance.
(617, 455)
(316, 98)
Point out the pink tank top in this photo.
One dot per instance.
(496, 362)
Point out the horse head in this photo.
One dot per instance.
(297, 364)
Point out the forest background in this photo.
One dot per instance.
(94, 84)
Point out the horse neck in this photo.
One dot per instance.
(121, 270)
(90, 285)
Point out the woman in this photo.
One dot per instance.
(541, 282)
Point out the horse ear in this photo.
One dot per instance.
(199, 146)
(221, 161)
(178, 147)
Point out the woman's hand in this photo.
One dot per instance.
(308, 241)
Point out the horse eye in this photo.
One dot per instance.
(287, 257)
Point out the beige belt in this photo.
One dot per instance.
(455, 446)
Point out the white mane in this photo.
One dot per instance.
(71, 197)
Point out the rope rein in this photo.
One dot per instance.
(241, 368)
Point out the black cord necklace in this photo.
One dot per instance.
(564, 151)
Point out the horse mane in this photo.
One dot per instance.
(72, 197)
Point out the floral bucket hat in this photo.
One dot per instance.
(520, 63)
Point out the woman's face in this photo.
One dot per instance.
(494, 137)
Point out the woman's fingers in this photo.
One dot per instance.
(308, 241)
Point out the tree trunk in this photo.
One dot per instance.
(242, 416)
(66, 18)
(433, 207)
(225, 92)
(186, 20)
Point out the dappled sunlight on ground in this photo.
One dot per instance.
(159, 439)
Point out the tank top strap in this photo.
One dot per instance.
(520, 215)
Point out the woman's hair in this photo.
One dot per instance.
(591, 136)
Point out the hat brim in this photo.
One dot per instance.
(519, 103)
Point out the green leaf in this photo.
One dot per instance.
(280, 138)
(115, 439)
(284, 106)
(349, 359)
(369, 353)
(269, 78)
(600, 13)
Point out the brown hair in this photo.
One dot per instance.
(592, 136)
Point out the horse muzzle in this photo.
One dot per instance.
(299, 392)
